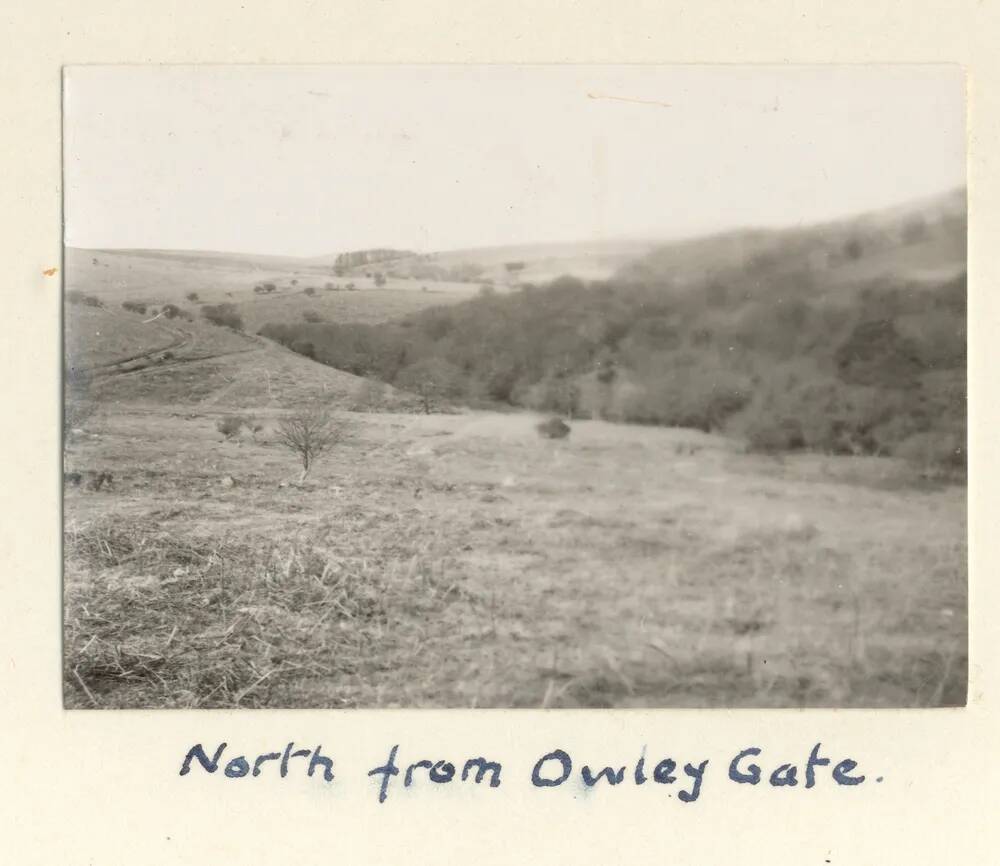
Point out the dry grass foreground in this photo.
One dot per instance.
(462, 561)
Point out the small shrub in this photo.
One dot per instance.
(192, 297)
(308, 290)
(134, 307)
(312, 317)
(75, 296)
(308, 433)
(553, 428)
(230, 425)
(172, 311)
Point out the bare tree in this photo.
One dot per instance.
(308, 432)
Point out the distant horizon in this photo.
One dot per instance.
(607, 240)
(300, 161)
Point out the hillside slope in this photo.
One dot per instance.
(846, 337)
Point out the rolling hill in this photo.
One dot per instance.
(455, 559)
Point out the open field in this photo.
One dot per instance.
(459, 560)
(157, 278)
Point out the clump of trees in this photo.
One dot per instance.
(172, 311)
(224, 315)
(357, 258)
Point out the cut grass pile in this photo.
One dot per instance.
(185, 621)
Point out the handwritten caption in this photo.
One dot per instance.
(551, 770)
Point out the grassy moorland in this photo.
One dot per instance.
(459, 560)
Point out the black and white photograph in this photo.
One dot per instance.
(500, 386)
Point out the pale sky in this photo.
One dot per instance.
(310, 160)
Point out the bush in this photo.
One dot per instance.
(230, 425)
(309, 290)
(134, 307)
(309, 433)
(312, 317)
(223, 315)
(192, 297)
(171, 311)
(75, 296)
(553, 428)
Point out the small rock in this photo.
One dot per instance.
(228, 481)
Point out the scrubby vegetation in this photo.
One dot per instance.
(779, 345)
(75, 296)
(224, 315)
